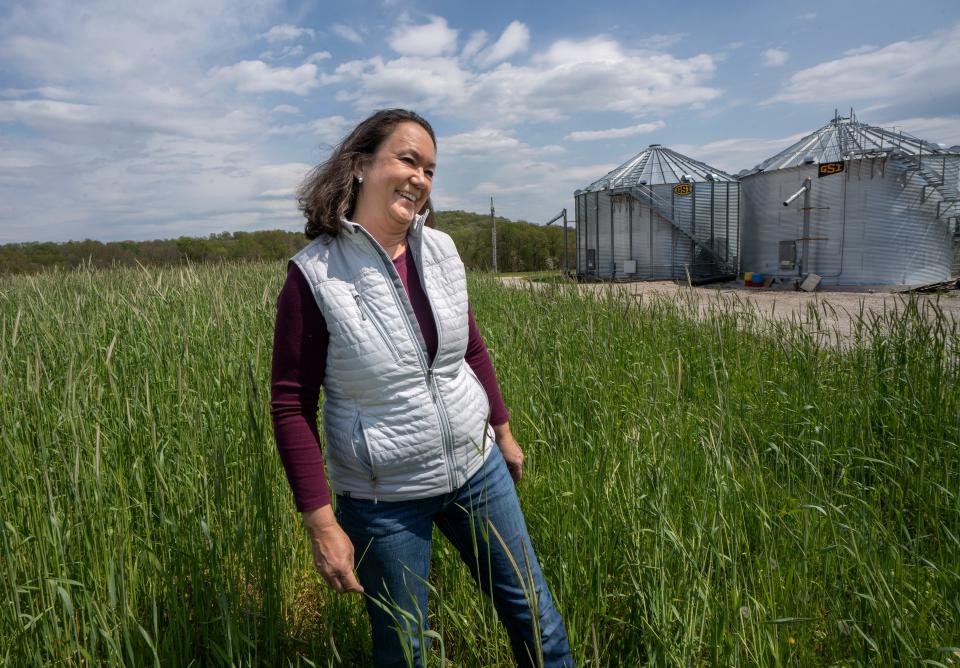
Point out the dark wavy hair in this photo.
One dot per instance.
(329, 191)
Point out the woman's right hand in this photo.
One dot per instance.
(332, 550)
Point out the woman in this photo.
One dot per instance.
(375, 311)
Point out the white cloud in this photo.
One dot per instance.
(427, 83)
(809, 16)
(431, 39)
(541, 179)
(939, 129)
(166, 186)
(19, 159)
(100, 42)
(571, 52)
(328, 130)
(285, 52)
(41, 112)
(279, 181)
(514, 39)
(75, 122)
(119, 115)
(900, 70)
(485, 143)
(615, 133)
(41, 91)
(480, 141)
(279, 193)
(286, 32)
(284, 109)
(474, 44)
(775, 57)
(255, 76)
(596, 74)
(659, 42)
(318, 56)
(738, 153)
(347, 33)
(866, 48)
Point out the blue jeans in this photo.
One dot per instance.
(392, 541)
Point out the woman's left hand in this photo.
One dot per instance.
(510, 450)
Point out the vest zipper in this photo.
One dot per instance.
(446, 432)
(441, 409)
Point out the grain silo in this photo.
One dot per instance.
(867, 206)
(660, 215)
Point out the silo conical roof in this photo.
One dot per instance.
(846, 138)
(656, 165)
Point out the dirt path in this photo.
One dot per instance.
(836, 309)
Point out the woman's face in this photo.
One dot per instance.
(397, 179)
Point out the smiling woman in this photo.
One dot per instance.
(375, 312)
(330, 192)
(396, 181)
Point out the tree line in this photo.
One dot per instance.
(521, 246)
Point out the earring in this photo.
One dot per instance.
(359, 179)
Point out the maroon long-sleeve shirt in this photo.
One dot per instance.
(299, 360)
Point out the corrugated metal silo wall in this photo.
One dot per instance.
(617, 228)
(602, 234)
(715, 218)
(903, 241)
(644, 230)
(952, 177)
(952, 173)
(586, 234)
(579, 255)
(645, 238)
(671, 250)
(953, 167)
(620, 210)
(947, 166)
(711, 213)
(870, 224)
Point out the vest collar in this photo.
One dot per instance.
(358, 235)
(416, 226)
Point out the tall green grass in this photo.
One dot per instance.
(703, 488)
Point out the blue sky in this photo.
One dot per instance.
(130, 120)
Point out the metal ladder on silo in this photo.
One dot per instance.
(664, 210)
(935, 182)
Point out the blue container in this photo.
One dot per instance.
(757, 279)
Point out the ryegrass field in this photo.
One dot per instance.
(701, 491)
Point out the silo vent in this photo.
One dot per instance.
(808, 159)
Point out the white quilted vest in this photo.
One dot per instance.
(396, 426)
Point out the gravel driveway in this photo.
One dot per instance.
(835, 309)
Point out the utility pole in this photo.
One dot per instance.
(493, 242)
(566, 267)
(562, 214)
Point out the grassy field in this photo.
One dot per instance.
(701, 492)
